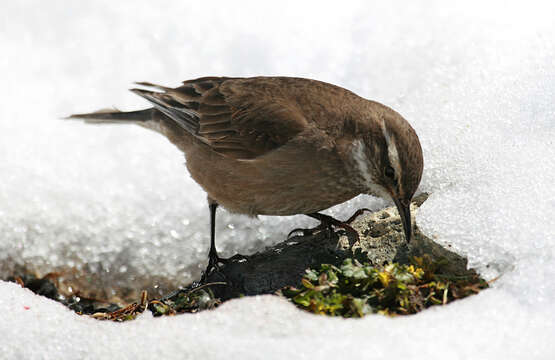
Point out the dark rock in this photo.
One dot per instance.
(381, 241)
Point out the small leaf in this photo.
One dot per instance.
(306, 283)
(384, 278)
(311, 275)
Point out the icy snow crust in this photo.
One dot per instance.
(476, 80)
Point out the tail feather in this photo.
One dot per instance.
(151, 85)
(186, 118)
(166, 107)
(147, 118)
(110, 116)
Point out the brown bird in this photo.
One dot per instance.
(282, 145)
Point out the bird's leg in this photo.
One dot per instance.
(214, 260)
(327, 221)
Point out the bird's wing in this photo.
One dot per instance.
(237, 119)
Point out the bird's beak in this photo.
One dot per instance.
(404, 212)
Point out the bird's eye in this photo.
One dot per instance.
(389, 172)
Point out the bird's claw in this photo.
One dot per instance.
(357, 214)
(327, 223)
(304, 232)
(215, 264)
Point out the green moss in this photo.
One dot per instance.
(355, 289)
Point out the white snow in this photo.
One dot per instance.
(476, 80)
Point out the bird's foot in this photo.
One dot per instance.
(309, 232)
(215, 265)
(327, 223)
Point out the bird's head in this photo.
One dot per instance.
(389, 160)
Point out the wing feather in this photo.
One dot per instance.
(234, 117)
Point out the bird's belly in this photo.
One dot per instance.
(256, 188)
(281, 198)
